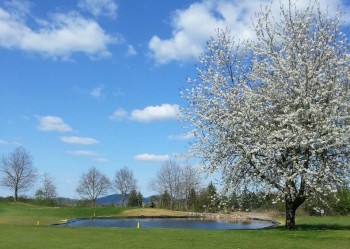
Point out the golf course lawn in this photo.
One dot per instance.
(19, 229)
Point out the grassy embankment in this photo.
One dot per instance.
(18, 229)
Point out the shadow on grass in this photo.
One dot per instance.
(318, 227)
(308, 227)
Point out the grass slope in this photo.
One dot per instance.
(27, 214)
(18, 230)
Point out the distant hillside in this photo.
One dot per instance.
(116, 199)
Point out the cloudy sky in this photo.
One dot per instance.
(96, 82)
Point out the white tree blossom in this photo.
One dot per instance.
(274, 113)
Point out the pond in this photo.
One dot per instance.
(179, 223)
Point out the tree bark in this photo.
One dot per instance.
(16, 194)
(292, 204)
(290, 215)
(123, 198)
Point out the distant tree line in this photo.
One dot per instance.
(135, 199)
(175, 183)
(18, 174)
(178, 187)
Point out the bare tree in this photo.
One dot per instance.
(93, 184)
(168, 179)
(48, 189)
(19, 174)
(124, 182)
(274, 113)
(190, 181)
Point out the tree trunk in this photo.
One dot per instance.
(16, 194)
(123, 199)
(290, 215)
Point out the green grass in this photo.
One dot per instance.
(18, 230)
(28, 214)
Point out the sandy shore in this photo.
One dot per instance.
(234, 216)
(237, 216)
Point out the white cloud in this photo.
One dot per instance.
(59, 36)
(131, 51)
(97, 92)
(156, 113)
(53, 123)
(98, 8)
(189, 33)
(186, 136)
(151, 158)
(119, 114)
(192, 27)
(101, 159)
(88, 153)
(118, 93)
(79, 140)
(3, 142)
(19, 8)
(148, 114)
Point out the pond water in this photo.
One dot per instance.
(180, 223)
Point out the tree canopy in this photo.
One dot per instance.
(18, 171)
(93, 184)
(47, 191)
(274, 112)
(174, 183)
(124, 182)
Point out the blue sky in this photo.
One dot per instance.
(96, 82)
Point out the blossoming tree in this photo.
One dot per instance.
(274, 112)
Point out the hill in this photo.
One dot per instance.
(116, 199)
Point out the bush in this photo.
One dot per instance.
(338, 204)
(342, 206)
(7, 199)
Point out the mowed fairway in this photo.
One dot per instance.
(18, 230)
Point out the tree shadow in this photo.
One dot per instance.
(318, 227)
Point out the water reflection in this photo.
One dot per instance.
(180, 223)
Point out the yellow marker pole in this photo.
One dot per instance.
(38, 223)
(138, 225)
